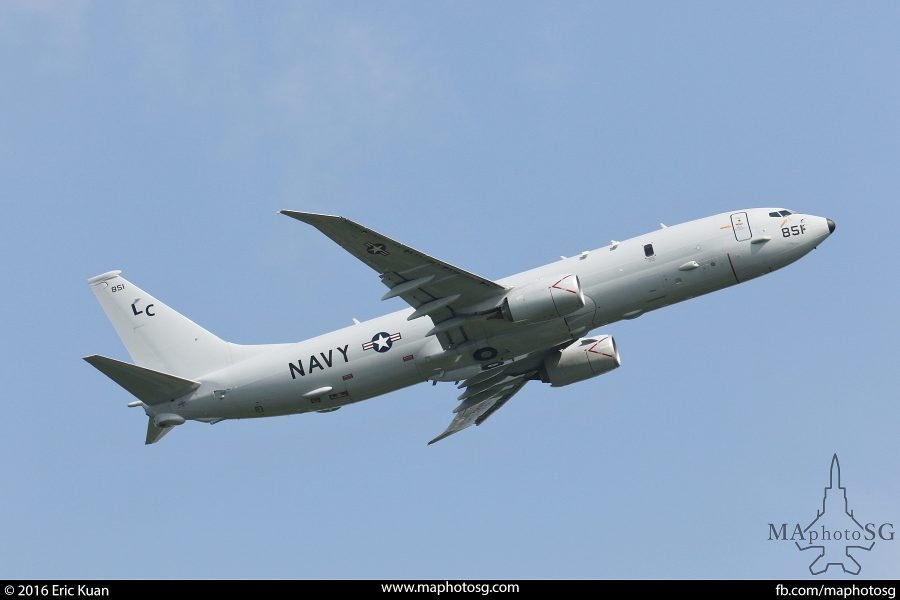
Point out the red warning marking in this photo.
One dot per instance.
(555, 286)
(347, 377)
(591, 349)
(408, 358)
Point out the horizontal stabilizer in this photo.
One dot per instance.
(147, 385)
(155, 432)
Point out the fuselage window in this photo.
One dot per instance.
(648, 250)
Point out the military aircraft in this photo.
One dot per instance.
(490, 337)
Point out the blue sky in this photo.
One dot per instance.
(161, 139)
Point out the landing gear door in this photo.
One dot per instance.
(741, 226)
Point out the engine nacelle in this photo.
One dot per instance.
(583, 359)
(547, 298)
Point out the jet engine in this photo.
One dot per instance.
(583, 359)
(547, 298)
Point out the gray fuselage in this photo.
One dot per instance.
(620, 281)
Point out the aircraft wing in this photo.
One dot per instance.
(449, 295)
(482, 399)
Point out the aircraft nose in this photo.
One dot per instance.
(831, 225)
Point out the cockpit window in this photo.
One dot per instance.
(780, 213)
(774, 214)
(785, 213)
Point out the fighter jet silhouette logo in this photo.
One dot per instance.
(835, 532)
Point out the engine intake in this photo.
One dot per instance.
(583, 359)
(547, 298)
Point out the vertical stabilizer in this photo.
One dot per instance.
(156, 336)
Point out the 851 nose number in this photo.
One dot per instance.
(794, 230)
